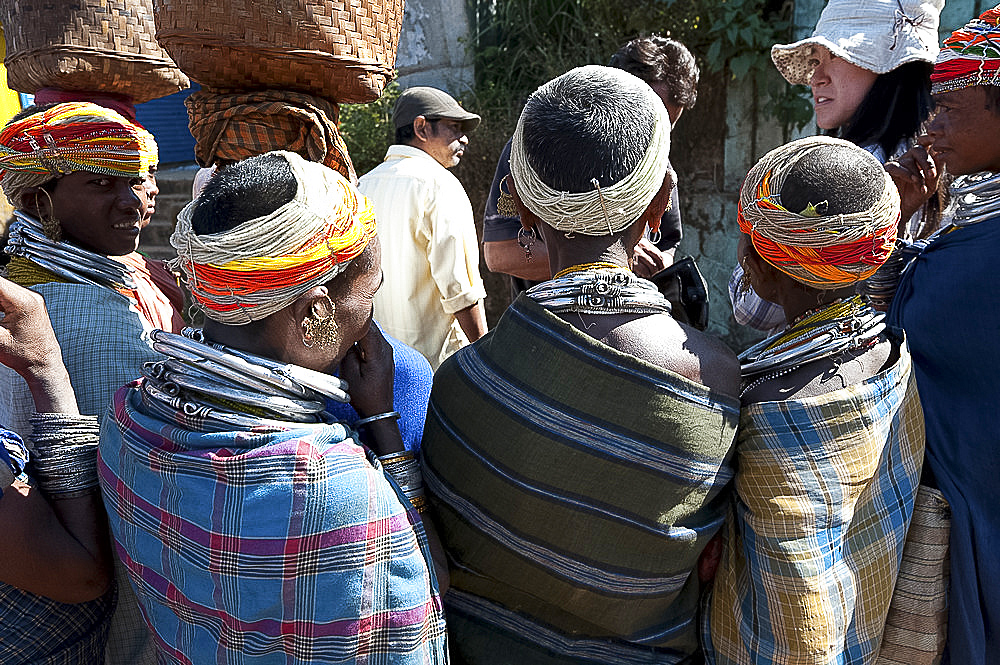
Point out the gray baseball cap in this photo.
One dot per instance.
(432, 104)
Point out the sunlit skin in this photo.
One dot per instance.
(964, 133)
(838, 88)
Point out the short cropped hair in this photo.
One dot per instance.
(657, 59)
(242, 191)
(836, 179)
(587, 125)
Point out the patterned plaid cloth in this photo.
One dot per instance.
(749, 309)
(825, 492)
(35, 630)
(104, 343)
(286, 547)
(240, 125)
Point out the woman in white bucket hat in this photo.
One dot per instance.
(868, 64)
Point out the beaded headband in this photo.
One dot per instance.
(822, 251)
(970, 56)
(75, 136)
(603, 210)
(261, 266)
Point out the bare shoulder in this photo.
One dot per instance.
(662, 341)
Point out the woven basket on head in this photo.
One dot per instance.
(88, 45)
(340, 50)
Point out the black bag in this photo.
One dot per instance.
(687, 291)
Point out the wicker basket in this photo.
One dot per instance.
(340, 50)
(88, 45)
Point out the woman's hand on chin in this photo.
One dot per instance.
(368, 369)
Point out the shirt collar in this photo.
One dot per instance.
(399, 151)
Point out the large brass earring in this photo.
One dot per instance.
(50, 225)
(505, 201)
(320, 330)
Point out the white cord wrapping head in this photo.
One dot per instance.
(603, 210)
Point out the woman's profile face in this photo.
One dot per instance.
(838, 88)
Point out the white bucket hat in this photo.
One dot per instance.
(877, 35)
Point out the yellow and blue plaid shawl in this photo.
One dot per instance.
(825, 490)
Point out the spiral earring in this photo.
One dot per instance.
(320, 331)
(50, 225)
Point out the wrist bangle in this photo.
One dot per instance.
(379, 416)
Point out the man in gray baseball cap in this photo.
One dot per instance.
(432, 297)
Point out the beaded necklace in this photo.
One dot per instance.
(599, 288)
(212, 387)
(842, 326)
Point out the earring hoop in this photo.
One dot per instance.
(526, 240)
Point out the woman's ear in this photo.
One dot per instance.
(763, 276)
(661, 201)
(36, 202)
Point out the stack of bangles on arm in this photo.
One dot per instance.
(405, 470)
(65, 454)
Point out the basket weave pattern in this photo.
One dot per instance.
(340, 50)
(87, 45)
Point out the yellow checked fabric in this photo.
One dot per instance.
(825, 493)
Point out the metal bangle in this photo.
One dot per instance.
(379, 416)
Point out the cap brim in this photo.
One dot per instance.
(469, 120)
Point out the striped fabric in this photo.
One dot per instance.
(289, 547)
(576, 487)
(825, 493)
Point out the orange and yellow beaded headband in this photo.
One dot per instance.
(822, 251)
(261, 266)
(76, 136)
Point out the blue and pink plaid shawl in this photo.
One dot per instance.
(267, 547)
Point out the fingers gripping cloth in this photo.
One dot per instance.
(68, 137)
(823, 251)
(603, 210)
(970, 56)
(261, 266)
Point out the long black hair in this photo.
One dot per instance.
(893, 110)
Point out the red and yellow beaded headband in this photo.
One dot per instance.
(76, 136)
(261, 266)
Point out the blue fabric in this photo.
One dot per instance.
(949, 305)
(411, 390)
(35, 630)
(272, 548)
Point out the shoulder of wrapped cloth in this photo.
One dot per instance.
(822, 251)
(261, 266)
(605, 210)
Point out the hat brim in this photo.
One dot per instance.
(792, 60)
